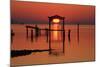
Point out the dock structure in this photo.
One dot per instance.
(31, 27)
(52, 20)
(56, 19)
(37, 31)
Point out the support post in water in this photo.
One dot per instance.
(36, 31)
(26, 31)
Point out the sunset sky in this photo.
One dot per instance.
(36, 12)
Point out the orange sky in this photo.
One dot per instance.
(35, 12)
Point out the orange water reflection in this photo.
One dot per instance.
(55, 34)
(84, 51)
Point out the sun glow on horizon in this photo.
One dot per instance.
(56, 20)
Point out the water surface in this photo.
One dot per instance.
(82, 50)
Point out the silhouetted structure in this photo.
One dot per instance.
(69, 35)
(62, 30)
(36, 30)
(27, 31)
(31, 35)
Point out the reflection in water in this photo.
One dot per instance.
(70, 54)
(56, 41)
(55, 33)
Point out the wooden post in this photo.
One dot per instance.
(64, 36)
(36, 31)
(69, 35)
(26, 31)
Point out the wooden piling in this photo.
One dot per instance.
(26, 31)
(69, 35)
(31, 35)
(36, 31)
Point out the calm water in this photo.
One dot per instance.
(74, 50)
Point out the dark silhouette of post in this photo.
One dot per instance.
(12, 35)
(69, 35)
(31, 35)
(64, 35)
(78, 33)
(36, 31)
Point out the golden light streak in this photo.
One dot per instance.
(55, 33)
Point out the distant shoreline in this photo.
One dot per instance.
(45, 23)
